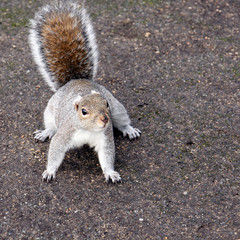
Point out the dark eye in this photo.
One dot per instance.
(84, 112)
(107, 105)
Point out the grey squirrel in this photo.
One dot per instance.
(63, 45)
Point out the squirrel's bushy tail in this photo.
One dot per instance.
(63, 43)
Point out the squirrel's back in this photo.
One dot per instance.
(63, 43)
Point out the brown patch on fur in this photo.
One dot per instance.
(64, 47)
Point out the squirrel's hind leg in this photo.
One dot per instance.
(119, 115)
(122, 121)
(50, 126)
(42, 135)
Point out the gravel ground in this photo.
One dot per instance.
(175, 66)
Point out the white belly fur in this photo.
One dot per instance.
(93, 139)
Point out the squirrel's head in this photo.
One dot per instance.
(93, 111)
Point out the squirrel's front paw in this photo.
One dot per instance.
(131, 132)
(48, 175)
(113, 175)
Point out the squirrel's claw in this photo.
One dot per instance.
(42, 135)
(113, 175)
(46, 176)
(131, 132)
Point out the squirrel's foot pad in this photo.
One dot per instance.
(131, 132)
(42, 135)
(113, 175)
(48, 176)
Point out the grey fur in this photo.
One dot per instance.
(65, 123)
(63, 126)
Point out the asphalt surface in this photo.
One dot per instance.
(175, 66)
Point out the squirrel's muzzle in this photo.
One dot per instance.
(104, 118)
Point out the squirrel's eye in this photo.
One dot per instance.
(84, 112)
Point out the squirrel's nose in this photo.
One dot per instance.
(104, 118)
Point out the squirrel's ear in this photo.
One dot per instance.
(76, 103)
